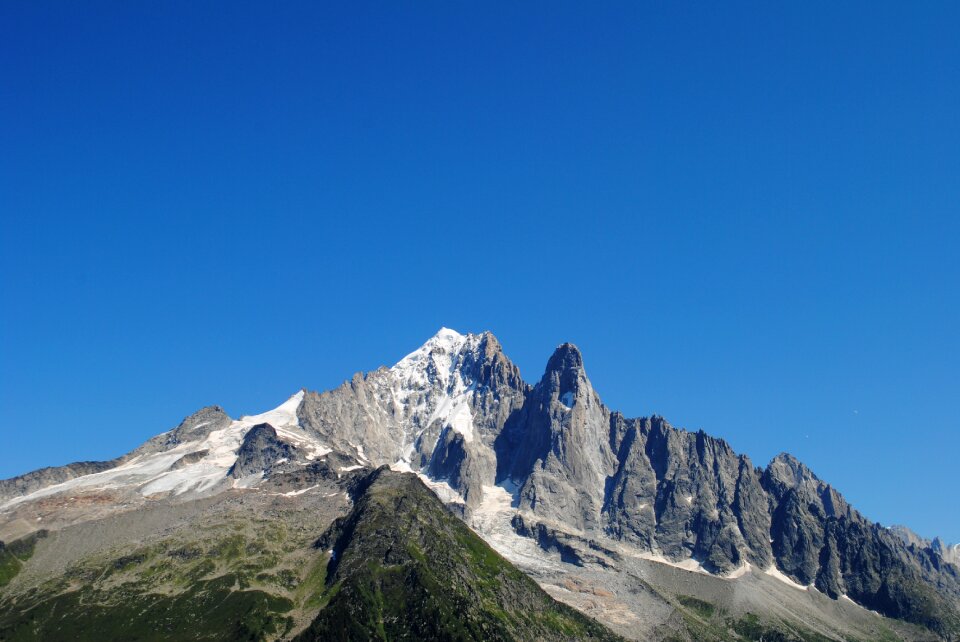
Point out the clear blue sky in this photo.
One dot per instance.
(746, 215)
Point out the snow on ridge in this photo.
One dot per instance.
(430, 377)
(286, 423)
(435, 357)
(223, 446)
(153, 473)
(282, 416)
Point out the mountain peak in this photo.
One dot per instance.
(447, 334)
(566, 357)
(445, 341)
(565, 375)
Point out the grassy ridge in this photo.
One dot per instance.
(236, 580)
(208, 610)
(405, 568)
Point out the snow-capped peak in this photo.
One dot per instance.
(434, 360)
(445, 340)
(430, 385)
(283, 415)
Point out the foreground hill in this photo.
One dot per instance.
(402, 567)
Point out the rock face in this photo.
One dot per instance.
(558, 447)
(439, 409)
(948, 552)
(260, 452)
(458, 411)
(640, 481)
(687, 495)
(193, 428)
(820, 540)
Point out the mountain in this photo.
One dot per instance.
(657, 532)
(403, 567)
(948, 552)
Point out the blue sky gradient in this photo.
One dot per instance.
(746, 216)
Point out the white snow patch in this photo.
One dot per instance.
(429, 386)
(846, 598)
(492, 520)
(738, 572)
(688, 564)
(294, 493)
(776, 573)
(300, 440)
(347, 469)
(249, 481)
(223, 446)
(453, 410)
(688, 499)
(443, 490)
(283, 415)
(435, 355)
(401, 466)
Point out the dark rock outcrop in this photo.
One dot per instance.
(260, 451)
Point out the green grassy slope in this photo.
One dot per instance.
(404, 568)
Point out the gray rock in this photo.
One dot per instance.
(192, 428)
(403, 413)
(260, 452)
(819, 539)
(948, 552)
(559, 445)
(189, 458)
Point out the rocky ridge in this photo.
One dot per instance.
(546, 463)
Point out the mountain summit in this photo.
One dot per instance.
(632, 521)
